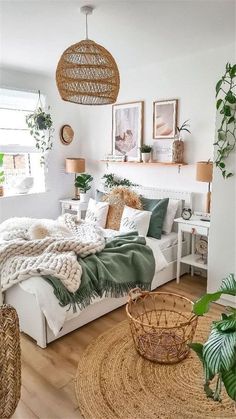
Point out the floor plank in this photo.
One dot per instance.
(48, 374)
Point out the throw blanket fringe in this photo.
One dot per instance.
(125, 263)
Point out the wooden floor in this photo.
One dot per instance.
(47, 374)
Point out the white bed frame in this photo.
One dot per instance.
(32, 319)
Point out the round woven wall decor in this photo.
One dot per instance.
(87, 74)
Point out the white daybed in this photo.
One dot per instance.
(32, 318)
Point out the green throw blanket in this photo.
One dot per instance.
(125, 263)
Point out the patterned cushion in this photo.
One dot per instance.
(117, 199)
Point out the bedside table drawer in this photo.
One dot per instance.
(193, 229)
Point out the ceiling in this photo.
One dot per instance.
(34, 33)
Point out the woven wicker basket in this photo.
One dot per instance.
(10, 361)
(162, 325)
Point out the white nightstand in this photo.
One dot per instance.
(194, 226)
(74, 205)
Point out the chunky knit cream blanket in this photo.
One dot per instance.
(55, 254)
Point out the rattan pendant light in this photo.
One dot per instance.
(87, 73)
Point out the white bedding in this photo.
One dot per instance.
(54, 313)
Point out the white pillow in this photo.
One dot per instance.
(135, 220)
(97, 213)
(170, 215)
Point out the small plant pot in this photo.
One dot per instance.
(1, 190)
(83, 197)
(146, 157)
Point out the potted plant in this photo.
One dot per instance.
(40, 125)
(83, 182)
(218, 353)
(146, 152)
(178, 144)
(2, 178)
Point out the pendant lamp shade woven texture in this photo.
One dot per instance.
(88, 74)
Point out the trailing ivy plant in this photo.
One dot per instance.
(226, 105)
(41, 128)
(111, 181)
(218, 353)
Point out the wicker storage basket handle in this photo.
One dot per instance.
(135, 293)
(10, 361)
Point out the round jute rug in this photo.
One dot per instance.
(113, 381)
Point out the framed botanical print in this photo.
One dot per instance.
(164, 118)
(127, 129)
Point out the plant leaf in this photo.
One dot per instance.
(229, 380)
(201, 306)
(198, 348)
(218, 103)
(219, 351)
(218, 86)
(227, 323)
(228, 285)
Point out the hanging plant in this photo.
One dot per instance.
(226, 104)
(41, 128)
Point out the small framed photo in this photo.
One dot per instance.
(164, 118)
(162, 151)
(127, 130)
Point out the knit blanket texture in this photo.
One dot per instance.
(65, 241)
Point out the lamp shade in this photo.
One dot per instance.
(87, 74)
(204, 171)
(75, 165)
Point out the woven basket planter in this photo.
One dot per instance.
(88, 74)
(10, 361)
(162, 325)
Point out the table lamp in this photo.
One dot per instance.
(204, 174)
(75, 165)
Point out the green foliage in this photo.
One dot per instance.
(218, 353)
(184, 127)
(41, 128)
(226, 105)
(83, 182)
(145, 148)
(2, 177)
(111, 181)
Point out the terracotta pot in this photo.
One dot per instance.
(178, 151)
(1, 190)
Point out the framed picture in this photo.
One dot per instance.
(127, 129)
(162, 150)
(164, 118)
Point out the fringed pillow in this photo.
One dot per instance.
(118, 198)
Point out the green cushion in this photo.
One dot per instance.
(158, 207)
(99, 195)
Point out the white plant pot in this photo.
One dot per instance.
(83, 197)
(146, 157)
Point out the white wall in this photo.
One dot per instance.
(192, 80)
(59, 185)
(222, 240)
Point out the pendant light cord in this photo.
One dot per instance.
(86, 26)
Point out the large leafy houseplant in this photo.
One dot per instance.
(226, 105)
(218, 353)
(41, 128)
(83, 182)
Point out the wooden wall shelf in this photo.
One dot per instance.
(153, 163)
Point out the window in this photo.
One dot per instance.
(21, 158)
